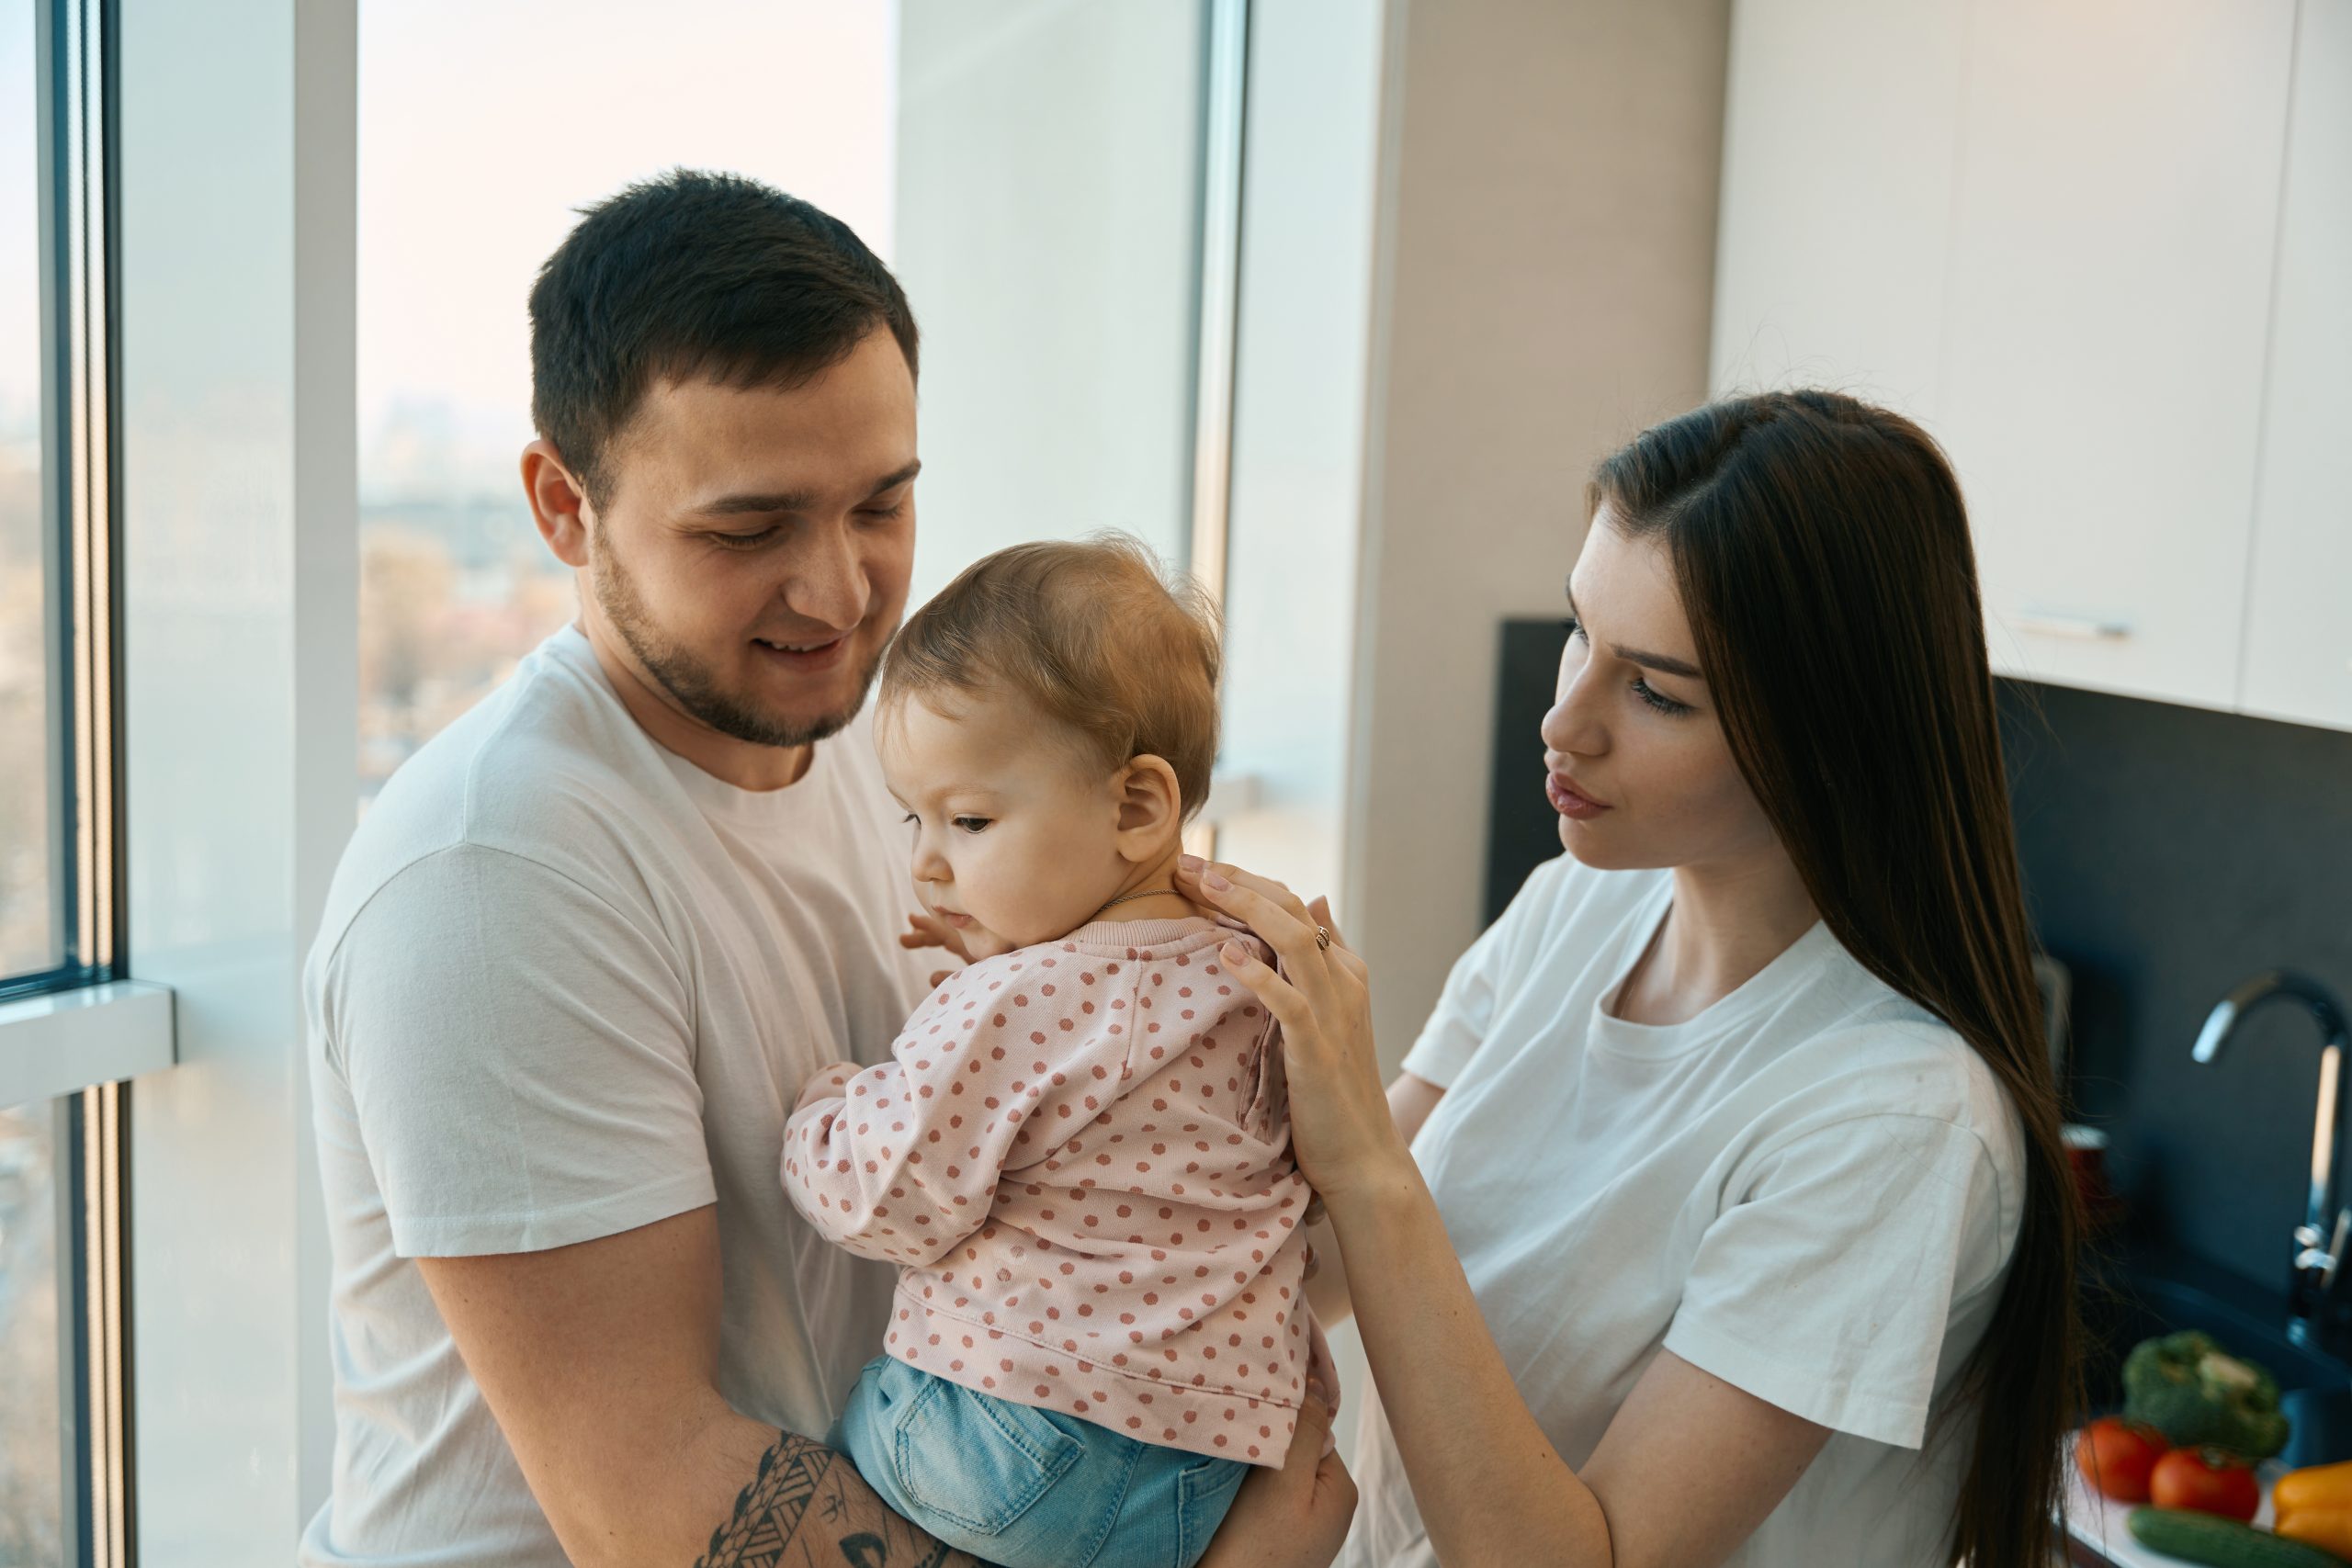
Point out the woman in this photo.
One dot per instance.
(1738, 1120)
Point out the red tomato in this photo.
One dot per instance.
(2117, 1457)
(2209, 1480)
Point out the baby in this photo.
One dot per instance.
(1079, 1153)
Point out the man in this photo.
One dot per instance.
(590, 941)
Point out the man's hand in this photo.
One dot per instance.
(1297, 1515)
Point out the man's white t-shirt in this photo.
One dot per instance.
(1810, 1191)
(568, 985)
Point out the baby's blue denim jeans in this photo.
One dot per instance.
(1028, 1488)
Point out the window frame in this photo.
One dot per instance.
(79, 470)
(71, 1035)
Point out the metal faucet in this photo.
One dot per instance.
(2320, 1240)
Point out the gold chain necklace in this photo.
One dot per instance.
(1139, 892)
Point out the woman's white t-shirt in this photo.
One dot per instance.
(1810, 1191)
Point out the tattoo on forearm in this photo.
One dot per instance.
(771, 1527)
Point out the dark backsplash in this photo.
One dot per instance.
(2168, 854)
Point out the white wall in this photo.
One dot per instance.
(237, 155)
(1048, 198)
(1547, 296)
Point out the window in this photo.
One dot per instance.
(463, 194)
(1055, 184)
(32, 1456)
(32, 934)
(67, 1028)
(57, 875)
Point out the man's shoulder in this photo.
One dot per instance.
(547, 769)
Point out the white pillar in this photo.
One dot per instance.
(239, 561)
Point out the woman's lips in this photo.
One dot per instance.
(1567, 802)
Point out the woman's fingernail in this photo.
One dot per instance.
(1213, 883)
(1232, 953)
(1189, 863)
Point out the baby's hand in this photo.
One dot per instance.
(929, 930)
(825, 1083)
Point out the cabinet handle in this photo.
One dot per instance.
(2081, 628)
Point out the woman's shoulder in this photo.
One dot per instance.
(1564, 891)
(1565, 913)
(1890, 1060)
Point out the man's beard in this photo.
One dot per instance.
(690, 682)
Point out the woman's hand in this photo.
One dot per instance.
(1297, 1515)
(1341, 1131)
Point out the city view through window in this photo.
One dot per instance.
(30, 935)
(467, 183)
(32, 938)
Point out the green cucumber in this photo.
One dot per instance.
(2221, 1543)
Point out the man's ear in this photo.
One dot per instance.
(558, 504)
(1151, 809)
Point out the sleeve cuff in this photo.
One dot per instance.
(539, 1230)
(1438, 1057)
(1832, 1400)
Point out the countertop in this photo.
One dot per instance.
(2096, 1525)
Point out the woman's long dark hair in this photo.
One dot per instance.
(1825, 564)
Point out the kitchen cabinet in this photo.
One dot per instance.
(2299, 605)
(2109, 300)
(2048, 228)
(1841, 125)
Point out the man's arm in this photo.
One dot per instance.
(599, 1361)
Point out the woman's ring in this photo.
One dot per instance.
(1323, 938)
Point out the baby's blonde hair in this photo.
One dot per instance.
(1093, 633)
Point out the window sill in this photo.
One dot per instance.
(66, 1041)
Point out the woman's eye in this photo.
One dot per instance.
(1575, 627)
(1657, 699)
(970, 824)
(912, 820)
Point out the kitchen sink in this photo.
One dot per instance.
(2148, 1294)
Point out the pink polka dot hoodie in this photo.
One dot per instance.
(1079, 1157)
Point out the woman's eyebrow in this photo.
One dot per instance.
(1660, 662)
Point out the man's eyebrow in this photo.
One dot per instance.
(774, 500)
(794, 500)
(1657, 661)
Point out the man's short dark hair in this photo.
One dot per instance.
(694, 275)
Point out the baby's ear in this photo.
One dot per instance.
(1151, 807)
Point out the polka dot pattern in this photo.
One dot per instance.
(1079, 1156)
